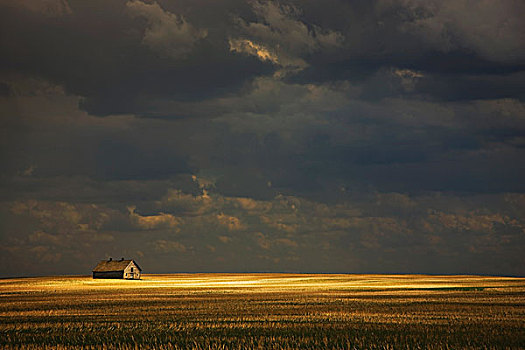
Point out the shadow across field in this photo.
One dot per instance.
(270, 311)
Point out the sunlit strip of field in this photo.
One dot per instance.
(269, 311)
(267, 282)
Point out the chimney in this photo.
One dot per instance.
(110, 259)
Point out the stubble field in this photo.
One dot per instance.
(266, 311)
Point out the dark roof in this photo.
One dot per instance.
(113, 265)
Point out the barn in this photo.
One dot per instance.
(126, 269)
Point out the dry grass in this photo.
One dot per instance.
(266, 311)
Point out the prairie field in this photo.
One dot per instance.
(264, 311)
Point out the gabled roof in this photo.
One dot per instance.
(113, 265)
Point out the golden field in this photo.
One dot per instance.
(266, 311)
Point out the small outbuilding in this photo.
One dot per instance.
(124, 269)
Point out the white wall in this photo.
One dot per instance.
(131, 275)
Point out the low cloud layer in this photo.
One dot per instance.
(382, 136)
(376, 232)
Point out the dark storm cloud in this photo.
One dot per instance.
(468, 51)
(383, 136)
(479, 233)
(118, 55)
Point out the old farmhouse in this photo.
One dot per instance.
(126, 269)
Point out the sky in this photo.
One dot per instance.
(330, 136)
